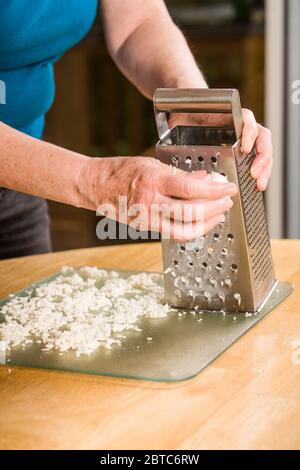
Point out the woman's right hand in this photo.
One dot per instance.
(187, 205)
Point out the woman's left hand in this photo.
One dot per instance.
(254, 133)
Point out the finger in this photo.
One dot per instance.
(264, 149)
(250, 131)
(194, 210)
(263, 179)
(188, 231)
(173, 170)
(259, 163)
(212, 223)
(185, 187)
(202, 174)
(175, 230)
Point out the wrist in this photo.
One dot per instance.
(85, 183)
(92, 182)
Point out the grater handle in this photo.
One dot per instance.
(197, 100)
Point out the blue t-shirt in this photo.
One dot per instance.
(33, 35)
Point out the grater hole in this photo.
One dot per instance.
(223, 174)
(237, 298)
(210, 251)
(188, 161)
(191, 264)
(234, 267)
(175, 262)
(230, 237)
(182, 248)
(175, 160)
(196, 250)
(214, 161)
(216, 237)
(219, 266)
(224, 251)
(204, 265)
(207, 295)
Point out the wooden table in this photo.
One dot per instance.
(247, 398)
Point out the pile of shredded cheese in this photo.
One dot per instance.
(82, 309)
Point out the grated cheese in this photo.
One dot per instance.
(216, 177)
(82, 310)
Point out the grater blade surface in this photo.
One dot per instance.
(231, 268)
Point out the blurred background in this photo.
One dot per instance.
(237, 44)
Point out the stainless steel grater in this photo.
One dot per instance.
(231, 268)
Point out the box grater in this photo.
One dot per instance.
(231, 268)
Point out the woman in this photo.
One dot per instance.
(152, 52)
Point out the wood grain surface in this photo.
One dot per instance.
(248, 398)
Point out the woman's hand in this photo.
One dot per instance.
(187, 202)
(253, 134)
(261, 137)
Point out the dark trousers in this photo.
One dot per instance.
(24, 225)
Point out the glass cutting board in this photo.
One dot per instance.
(182, 344)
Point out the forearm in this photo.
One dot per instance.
(35, 167)
(155, 54)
